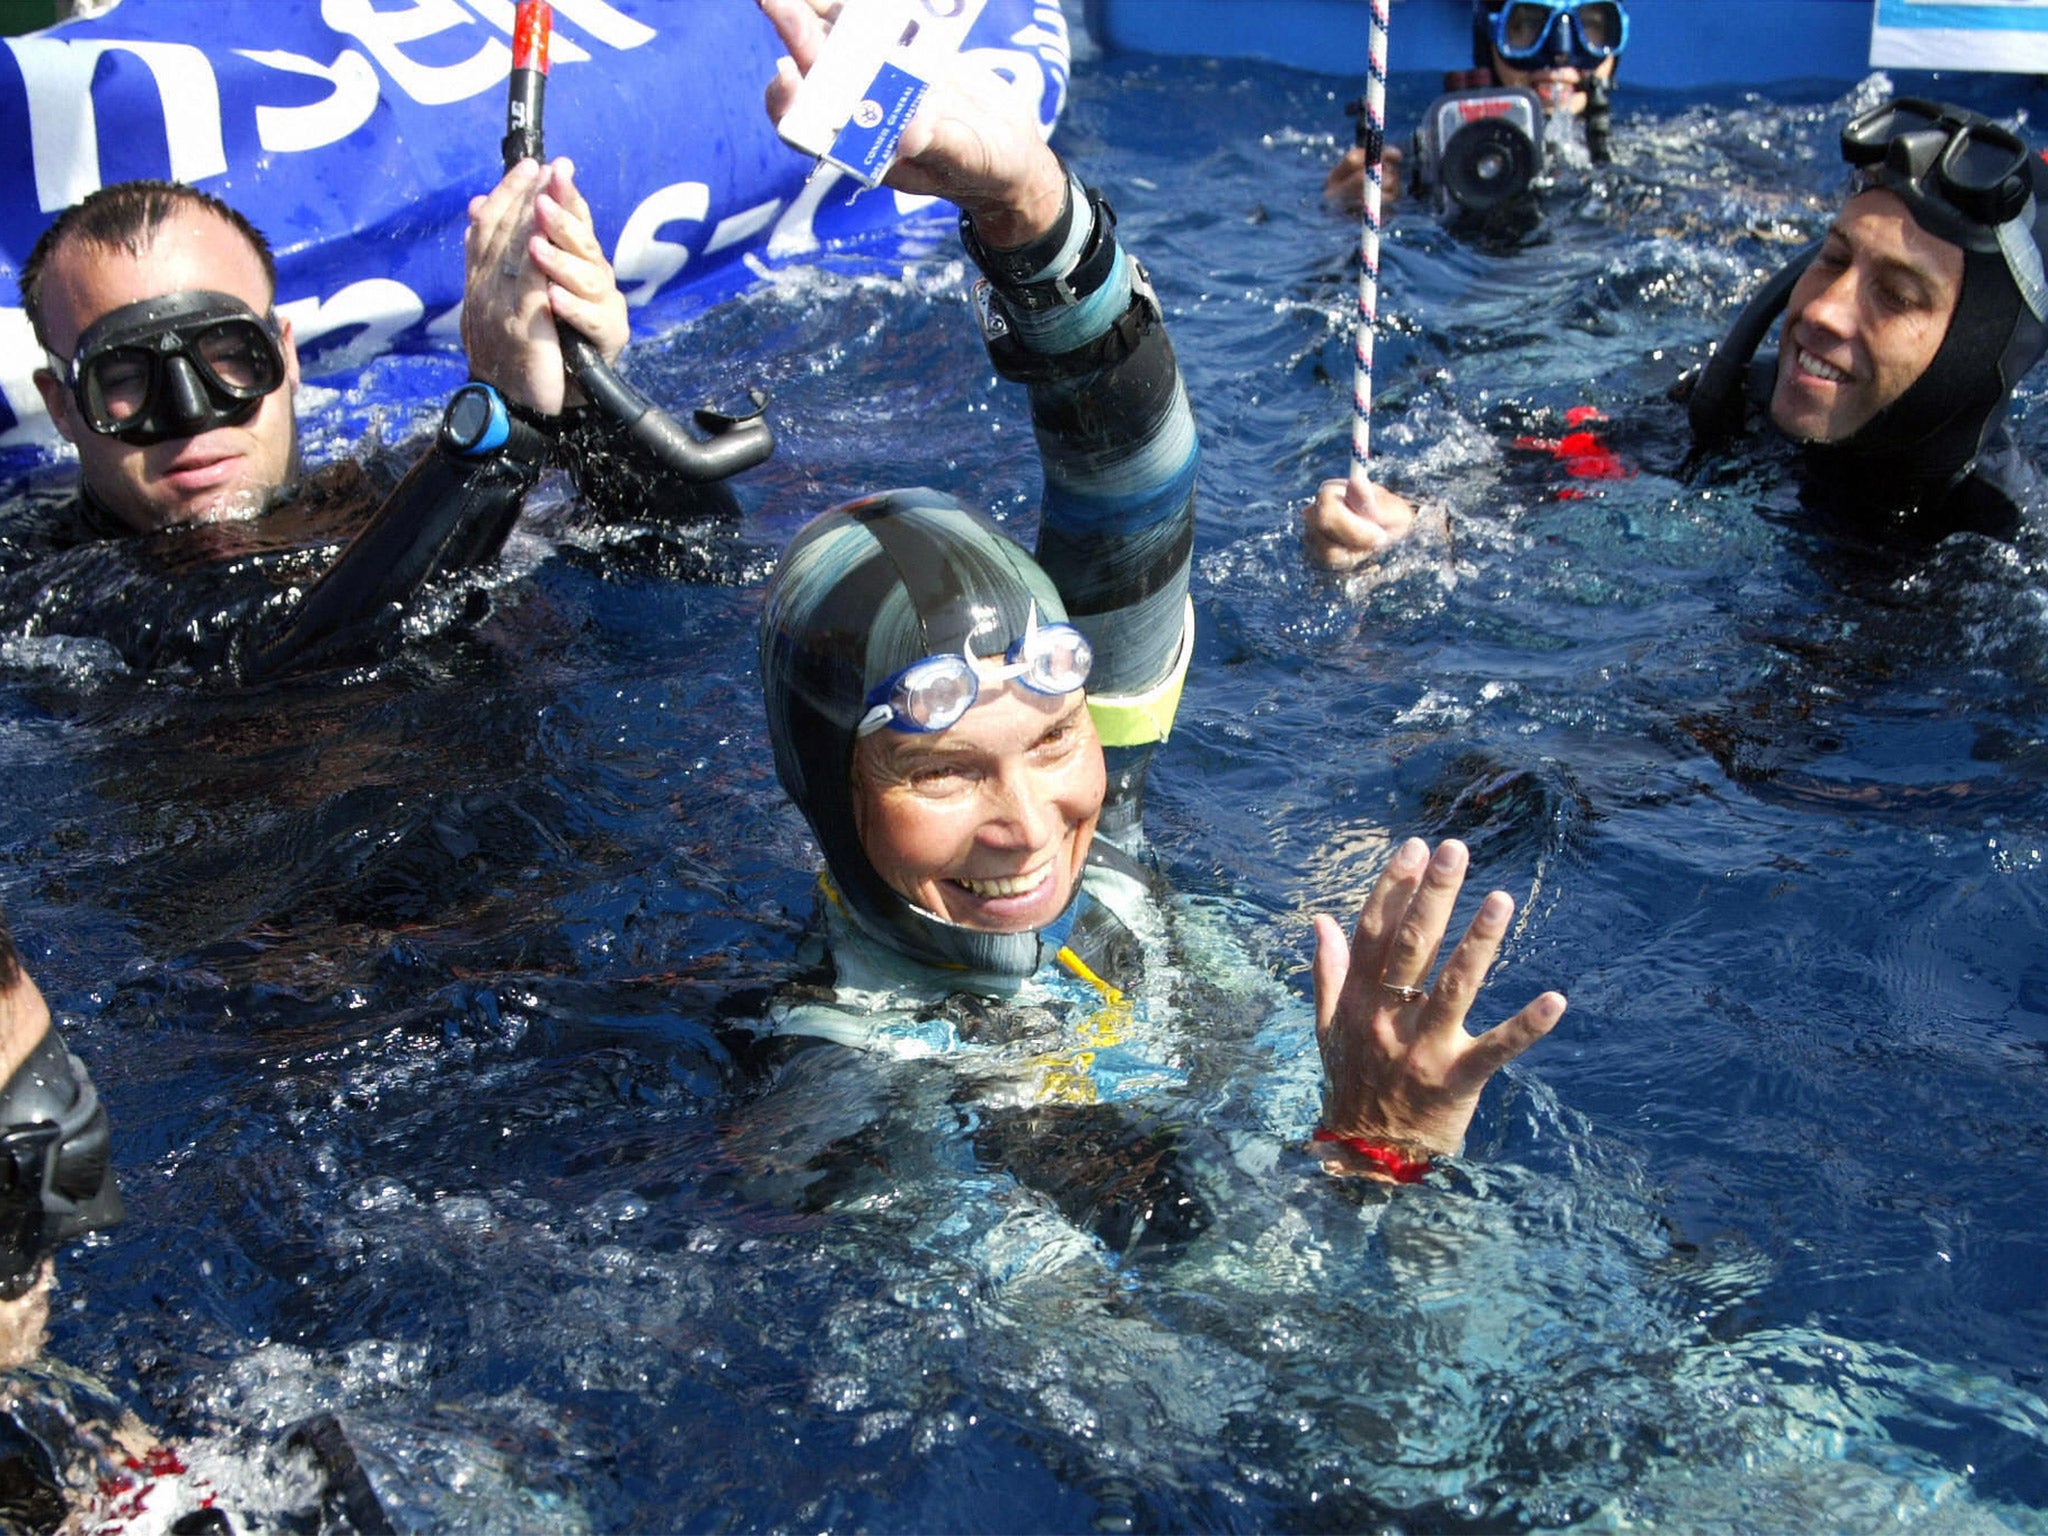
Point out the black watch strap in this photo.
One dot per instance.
(1032, 277)
(1020, 364)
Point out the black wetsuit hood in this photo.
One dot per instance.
(1920, 449)
(56, 1173)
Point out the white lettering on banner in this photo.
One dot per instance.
(20, 357)
(382, 34)
(1048, 39)
(735, 227)
(613, 28)
(283, 130)
(383, 306)
(1047, 32)
(650, 262)
(504, 15)
(63, 129)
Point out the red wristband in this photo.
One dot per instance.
(1396, 1166)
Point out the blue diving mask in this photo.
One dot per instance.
(1527, 31)
(936, 692)
(1966, 179)
(173, 366)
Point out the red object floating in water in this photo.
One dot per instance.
(1581, 452)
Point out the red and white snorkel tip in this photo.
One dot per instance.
(530, 35)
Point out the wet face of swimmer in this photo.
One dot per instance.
(222, 472)
(987, 823)
(1864, 321)
(1558, 83)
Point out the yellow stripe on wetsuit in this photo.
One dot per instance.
(1139, 719)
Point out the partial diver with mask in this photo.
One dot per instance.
(967, 729)
(1905, 330)
(73, 1455)
(194, 542)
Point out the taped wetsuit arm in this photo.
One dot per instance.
(1075, 320)
(1117, 441)
(447, 514)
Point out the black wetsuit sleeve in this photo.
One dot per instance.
(447, 514)
(452, 513)
(1117, 441)
(2006, 497)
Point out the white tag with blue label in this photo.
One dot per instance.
(864, 87)
(867, 143)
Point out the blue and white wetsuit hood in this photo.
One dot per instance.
(864, 590)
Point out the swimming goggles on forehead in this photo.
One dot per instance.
(1967, 180)
(1594, 31)
(934, 693)
(173, 366)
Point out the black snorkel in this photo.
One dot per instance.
(1599, 118)
(736, 442)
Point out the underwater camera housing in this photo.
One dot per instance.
(1476, 152)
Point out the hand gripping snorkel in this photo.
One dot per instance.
(736, 442)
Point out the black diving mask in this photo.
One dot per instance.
(1966, 179)
(174, 366)
(56, 1163)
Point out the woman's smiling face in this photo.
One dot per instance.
(987, 823)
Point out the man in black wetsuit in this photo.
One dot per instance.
(1905, 332)
(171, 374)
(69, 1447)
(56, 1176)
(1906, 329)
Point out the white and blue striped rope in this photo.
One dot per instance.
(1369, 246)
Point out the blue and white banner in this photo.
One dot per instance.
(354, 132)
(2004, 36)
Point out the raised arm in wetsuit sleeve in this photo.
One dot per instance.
(1072, 316)
(447, 514)
(1068, 313)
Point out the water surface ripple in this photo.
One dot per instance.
(422, 999)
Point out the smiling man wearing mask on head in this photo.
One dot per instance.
(1905, 330)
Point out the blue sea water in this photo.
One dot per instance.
(419, 998)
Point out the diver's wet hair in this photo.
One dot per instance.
(126, 217)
